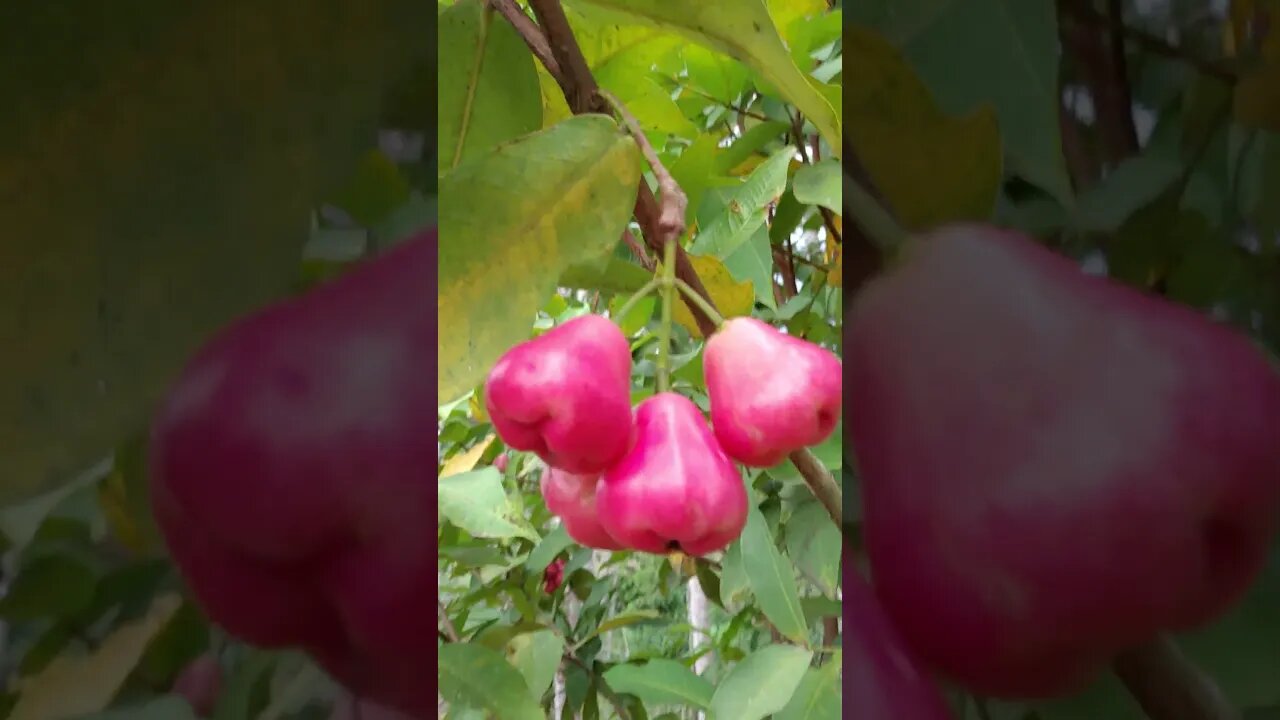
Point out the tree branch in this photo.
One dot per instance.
(449, 630)
(532, 34)
(1086, 14)
(1107, 81)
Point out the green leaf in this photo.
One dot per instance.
(654, 109)
(661, 682)
(708, 580)
(476, 502)
(621, 620)
(159, 168)
(734, 586)
(820, 184)
(971, 52)
(52, 586)
(814, 543)
(376, 190)
(743, 30)
(1133, 184)
(637, 317)
(612, 275)
(816, 608)
(488, 91)
(818, 695)
(751, 142)
(247, 688)
(536, 655)
(760, 685)
(512, 221)
(715, 73)
(748, 205)
(78, 684)
(165, 707)
(477, 677)
(772, 579)
(753, 262)
(931, 166)
(547, 549)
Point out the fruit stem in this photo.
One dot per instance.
(637, 297)
(874, 220)
(668, 282)
(698, 300)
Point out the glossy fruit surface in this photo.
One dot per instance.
(290, 474)
(771, 393)
(882, 679)
(572, 498)
(675, 487)
(565, 395)
(1054, 467)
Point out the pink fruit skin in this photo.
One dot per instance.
(771, 393)
(1054, 467)
(289, 474)
(500, 463)
(200, 683)
(572, 498)
(882, 678)
(675, 486)
(565, 395)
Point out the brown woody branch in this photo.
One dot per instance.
(1084, 12)
(1104, 71)
(532, 35)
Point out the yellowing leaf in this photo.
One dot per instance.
(554, 107)
(731, 297)
(511, 222)
(835, 276)
(113, 499)
(476, 406)
(932, 168)
(464, 462)
(74, 685)
(747, 166)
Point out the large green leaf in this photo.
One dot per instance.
(772, 579)
(744, 30)
(158, 165)
(477, 677)
(511, 222)
(972, 52)
(476, 502)
(661, 682)
(760, 685)
(818, 695)
(489, 91)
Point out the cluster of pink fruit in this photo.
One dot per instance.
(554, 576)
(1055, 469)
(660, 479)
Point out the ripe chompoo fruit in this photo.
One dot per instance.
(290, 474)
(1054, 467)
(771, 393)
(572, 498)
(675, 488)
(565, 395)
(883, 680)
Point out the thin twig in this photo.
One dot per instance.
(1168, 686)
(725, 105)
(531, 33)
(672, 202)
(642, 256)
